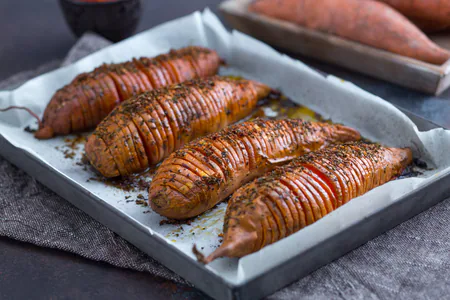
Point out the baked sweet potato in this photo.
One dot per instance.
(145, 129)
(90, 97)
(368, 22)
(206, 171)
(294, 196)
(428, 15)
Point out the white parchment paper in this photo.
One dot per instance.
(331, 97)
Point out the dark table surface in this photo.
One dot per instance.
(34, 32)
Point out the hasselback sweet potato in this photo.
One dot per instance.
(206, 171)
(144, 130)
(429, 15)
(90, 97)
(369, 22)
(296, 195)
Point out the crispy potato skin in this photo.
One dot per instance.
(365, 21)
(144, 130)
(90, 97)
(206, 171)
(294, 196)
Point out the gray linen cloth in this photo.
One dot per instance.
(409, 262)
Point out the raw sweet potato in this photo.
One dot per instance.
(429, 15)
(145, 129)
(369, 22)
(90, 97)
(294, 196)
(205, 172)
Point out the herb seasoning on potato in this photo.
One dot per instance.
(289, 198)
(206, 171)
(144, 130)
(90, 97)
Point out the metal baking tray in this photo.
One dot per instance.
(404, 71)
(296, 268)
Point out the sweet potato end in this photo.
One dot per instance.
(238, 246)
(346, 134)
(100, 157)
(44, 133)
(262, 90)
(171, 204)
(404, 155)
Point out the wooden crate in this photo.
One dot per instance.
(404, 71)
